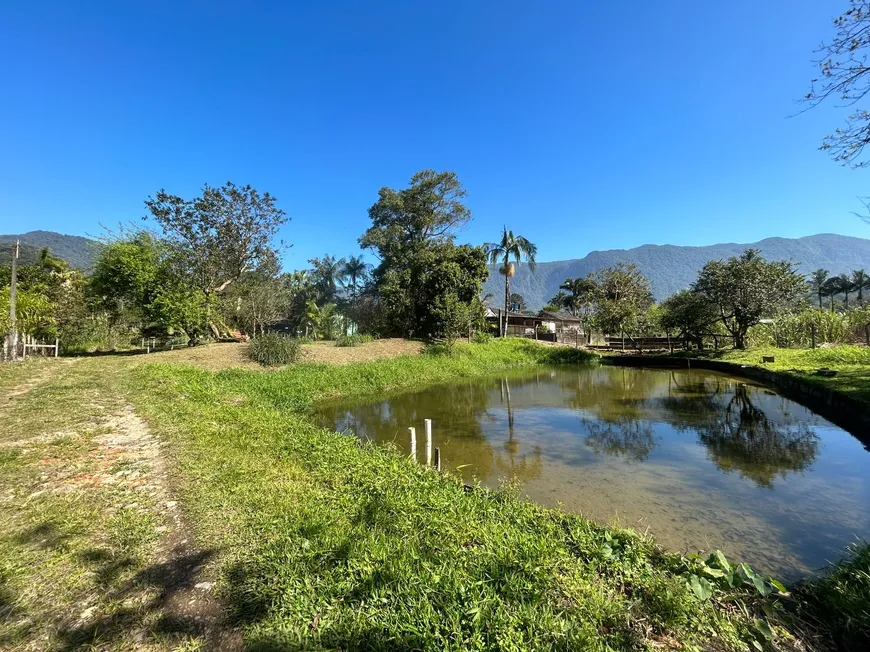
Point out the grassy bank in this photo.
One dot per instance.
(852, 364)
(317, 541)
(326, 543)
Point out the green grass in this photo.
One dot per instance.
(67, 545)
(323, 542)
(852, 364)
(274, 349)
(353, 340)
(327, 543)
(840, 599)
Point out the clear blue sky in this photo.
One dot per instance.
(581, 125)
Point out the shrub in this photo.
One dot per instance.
(481, 338)
(353, 340)
(273, 349)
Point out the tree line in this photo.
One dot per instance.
(209, 269)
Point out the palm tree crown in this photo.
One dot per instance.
(514, 247)
(355, 269)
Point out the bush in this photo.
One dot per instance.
(273, 349)
(353, 340)
(481, 338)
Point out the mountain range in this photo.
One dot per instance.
(668, 267)
(672, 268)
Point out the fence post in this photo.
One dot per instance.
(428, 423)
(56, 346)
(413, 434)
(437, 459)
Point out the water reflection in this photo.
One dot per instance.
(702, 459)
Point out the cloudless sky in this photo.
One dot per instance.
(581, 125)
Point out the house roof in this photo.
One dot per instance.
(560, 315)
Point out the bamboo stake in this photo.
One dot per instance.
(428, 423)
(413, 434)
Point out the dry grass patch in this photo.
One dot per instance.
(329, 353)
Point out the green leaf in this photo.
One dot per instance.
(721, 561)
(701, 587)
(778, 586)
(714, 572)
(763, 628)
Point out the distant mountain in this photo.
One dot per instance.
(671, 268)
(77, 251)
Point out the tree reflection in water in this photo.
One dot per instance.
(739, 435)
(629, 438)
(744, 439)
(518, 468)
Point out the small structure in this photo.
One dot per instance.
(518, 324)
(559, 321)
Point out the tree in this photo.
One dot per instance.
(690, 314)
(747, 288)
(354, 269)
(136, 279)
(558, 302)
(423, 278)
(325, 275)
(518, 302)
(846, 287)
(219, 235)
(831, 288)
(843, 75)
(817, 283)
(622, 298)
(582, 291)
(428, 211)
(860, 282)
(510, 246)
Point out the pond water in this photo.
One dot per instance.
(700, 459)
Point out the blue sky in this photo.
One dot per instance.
(581, 125)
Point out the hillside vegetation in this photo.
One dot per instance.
(671, 268)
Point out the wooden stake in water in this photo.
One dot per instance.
(428, 423)
(437, 459)
(413, 434)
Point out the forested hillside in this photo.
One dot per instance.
(671, 268)
(79, 252)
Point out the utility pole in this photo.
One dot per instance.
(13, 295)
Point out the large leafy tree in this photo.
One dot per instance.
(221, 234)
(690, 314)
(424, 285)
(622, 299)
(429, 210)
(747, 288)
(136, 280)
(507, 252)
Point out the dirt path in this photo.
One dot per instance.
(130, 575)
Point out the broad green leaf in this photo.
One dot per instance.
(700, 587)
(763, 628)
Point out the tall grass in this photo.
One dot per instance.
(274, 349)
(840, 599)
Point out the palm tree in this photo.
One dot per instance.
(561, 300)
(510, 246)
(817, 283)
(846, 286)
(580, 289)
(327, 271)
(860, 282)
(355, 269)
(831, 288)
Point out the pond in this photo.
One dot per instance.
(699, 459)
